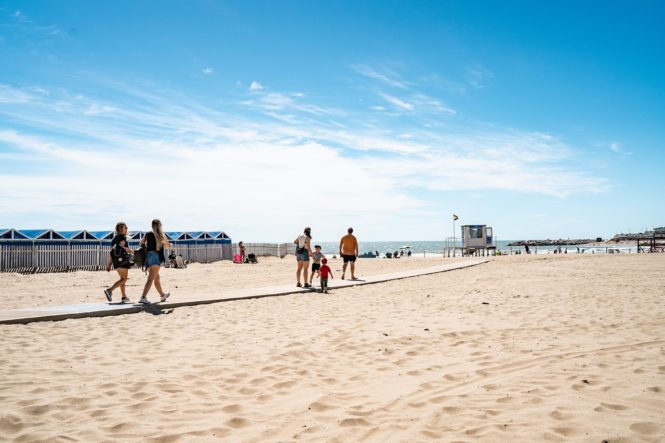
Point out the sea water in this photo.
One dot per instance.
(436, 248)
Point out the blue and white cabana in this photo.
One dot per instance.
(48, 250)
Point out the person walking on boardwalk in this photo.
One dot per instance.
(348, 249)
(317, 255)
(155, 242)
(119, 259)
(303, 253)
(324, 271)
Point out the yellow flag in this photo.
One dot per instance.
(455, 217)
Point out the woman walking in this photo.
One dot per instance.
(119, 259)
(303, 253)
(155, 242)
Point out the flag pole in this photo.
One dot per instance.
(454, 237)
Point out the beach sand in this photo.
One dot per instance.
(523, 348)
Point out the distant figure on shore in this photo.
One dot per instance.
(119, 259)
(241, 252)
(155, 242)
(324, 271)
(317, 255)
(526, 249)
(303, 252)
(348, 249)
(408, 254)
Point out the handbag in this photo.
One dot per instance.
(119, 257)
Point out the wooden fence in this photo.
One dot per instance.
(36, 256)
(32, 256)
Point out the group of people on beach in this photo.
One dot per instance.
(154, 243)
(119, 258)
(348, 251)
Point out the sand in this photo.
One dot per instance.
(524, 348)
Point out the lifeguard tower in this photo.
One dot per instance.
(476, 240)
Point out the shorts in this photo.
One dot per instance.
(315, 266)
(349, 258)
(152, 259)
(304, 256)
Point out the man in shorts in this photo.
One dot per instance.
(348, 249)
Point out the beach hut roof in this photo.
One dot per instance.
(77, 235)
(136, 235)
(41, 234)
(197, 234)
(102, 235)
(217, 234)
(12, 234)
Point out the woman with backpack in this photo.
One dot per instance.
(119, 259)
(303, 253)
(154, 242)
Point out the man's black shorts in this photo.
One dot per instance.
(349, 258)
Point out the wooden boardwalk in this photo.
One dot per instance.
(56, 313)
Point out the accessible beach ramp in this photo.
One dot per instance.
(63, 312)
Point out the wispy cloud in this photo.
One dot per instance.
(478, 76)
(253, 157)
(208, 71)
(397, 102)
(387, 78)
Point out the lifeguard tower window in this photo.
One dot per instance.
(476, 232)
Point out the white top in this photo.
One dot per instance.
(302, 238)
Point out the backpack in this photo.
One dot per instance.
(139, 256)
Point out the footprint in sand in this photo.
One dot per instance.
(561, 416)
(614, 407)
(647, 428)
(348, 422)
(237, 422)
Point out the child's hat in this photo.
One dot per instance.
(324, 260)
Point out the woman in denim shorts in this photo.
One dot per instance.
(303, 252)
(155, 243)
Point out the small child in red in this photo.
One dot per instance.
(324, 270)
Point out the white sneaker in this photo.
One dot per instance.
(165, 296)
(108, 294)
(143, 301)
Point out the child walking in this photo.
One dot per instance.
(317, 255)
(324, 271)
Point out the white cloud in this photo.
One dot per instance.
(255, 86)
(208, 71)
(397, 102)
(387, 78)
(240, 171)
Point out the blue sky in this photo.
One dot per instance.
(259, 118)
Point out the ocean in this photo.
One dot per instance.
(435, 248)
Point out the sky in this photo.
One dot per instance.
(258, 118)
